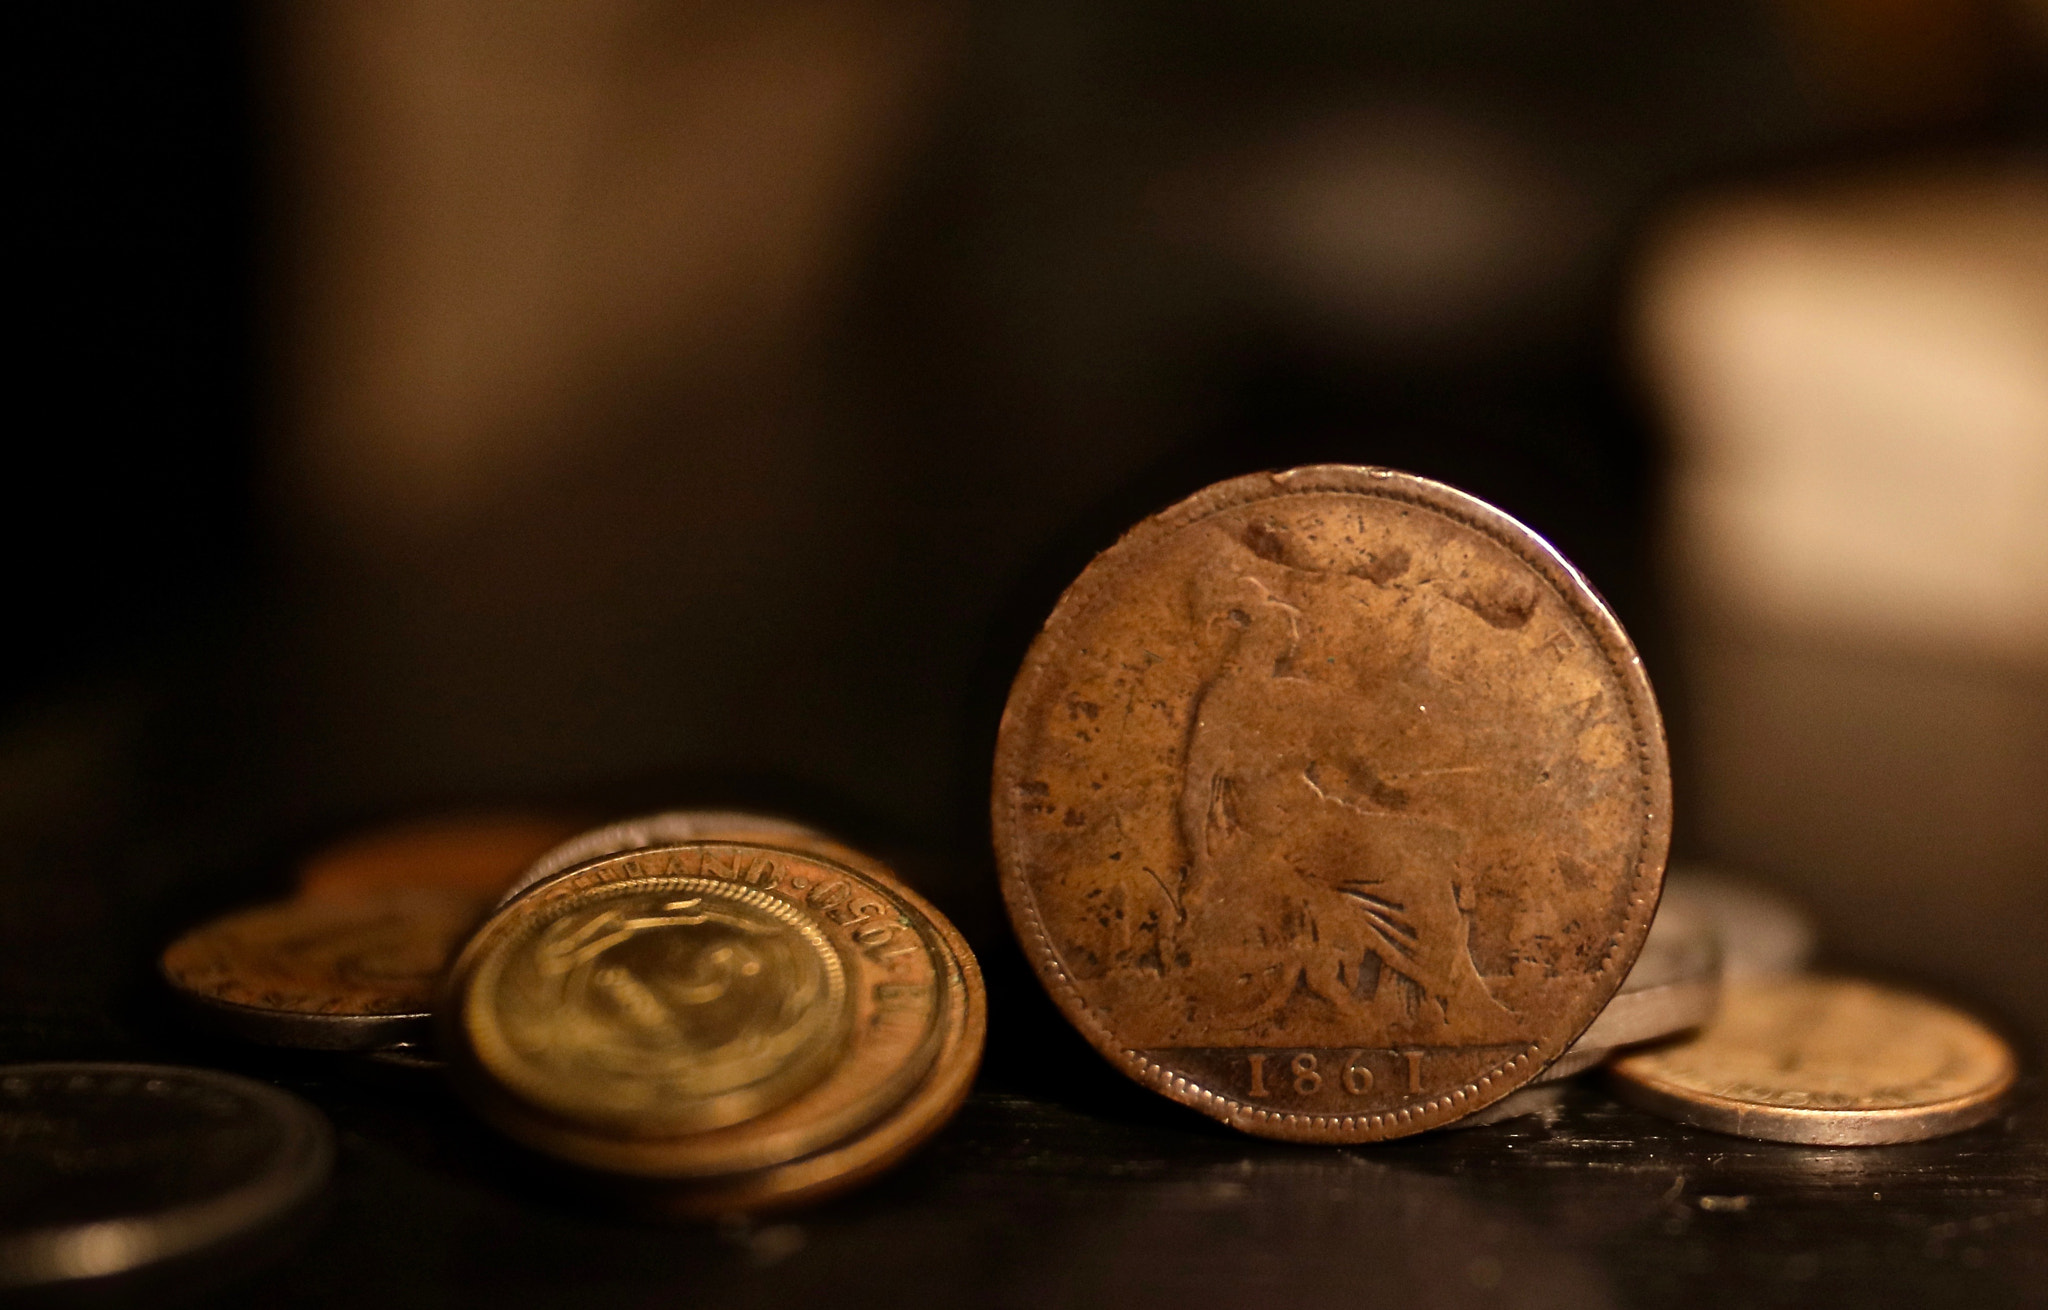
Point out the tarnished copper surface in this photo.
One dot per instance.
(610, 1015)
(1332, 803)
(352, 973)
(1826, 1061)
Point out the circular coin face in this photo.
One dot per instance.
(665, 829)
(476, 854)
(848, 1005)
(659, 1005)
(1827, 1061)
(110, 1167)
(1332, 803)
(349, 974)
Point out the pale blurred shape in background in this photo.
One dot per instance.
(1856, 378)
(1861, 384)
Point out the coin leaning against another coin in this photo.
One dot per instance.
(1332, 803)
(1825, 1061)
(616, 1015)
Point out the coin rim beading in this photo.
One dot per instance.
(1581, 600)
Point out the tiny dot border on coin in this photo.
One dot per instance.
(1177, 1086)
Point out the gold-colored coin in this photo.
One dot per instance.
(659, 1005)
(349, 974)
(608, 1016)
(1825, 1061)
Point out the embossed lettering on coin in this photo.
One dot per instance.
(1331, 803)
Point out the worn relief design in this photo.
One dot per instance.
(1336, 781)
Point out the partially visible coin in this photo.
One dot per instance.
(1674, 986)
(1826, 1061)
(348, 974)
(1763, 933)
(708, 1010)
(476, 854)
(108, 1168)
(1541, 1095)
(1331, 803)
(663, 829)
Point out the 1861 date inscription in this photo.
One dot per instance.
(1332, 803)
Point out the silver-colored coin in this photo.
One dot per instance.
(1675, 985)
(106, 1168)
(1763, 934)
(666, 828)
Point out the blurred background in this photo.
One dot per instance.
(617, 404)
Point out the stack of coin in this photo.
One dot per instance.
(736, 1004)
(756, 1024)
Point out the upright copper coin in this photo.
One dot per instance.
(1827, 1061)
(1332, 803)
(706, 1009)
(348, 974)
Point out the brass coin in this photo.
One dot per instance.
(666, 829)
(1332, 803)
(478, 854)
(891, 1014)
(1826, 1061)
(347, 974)
(658, 1005)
